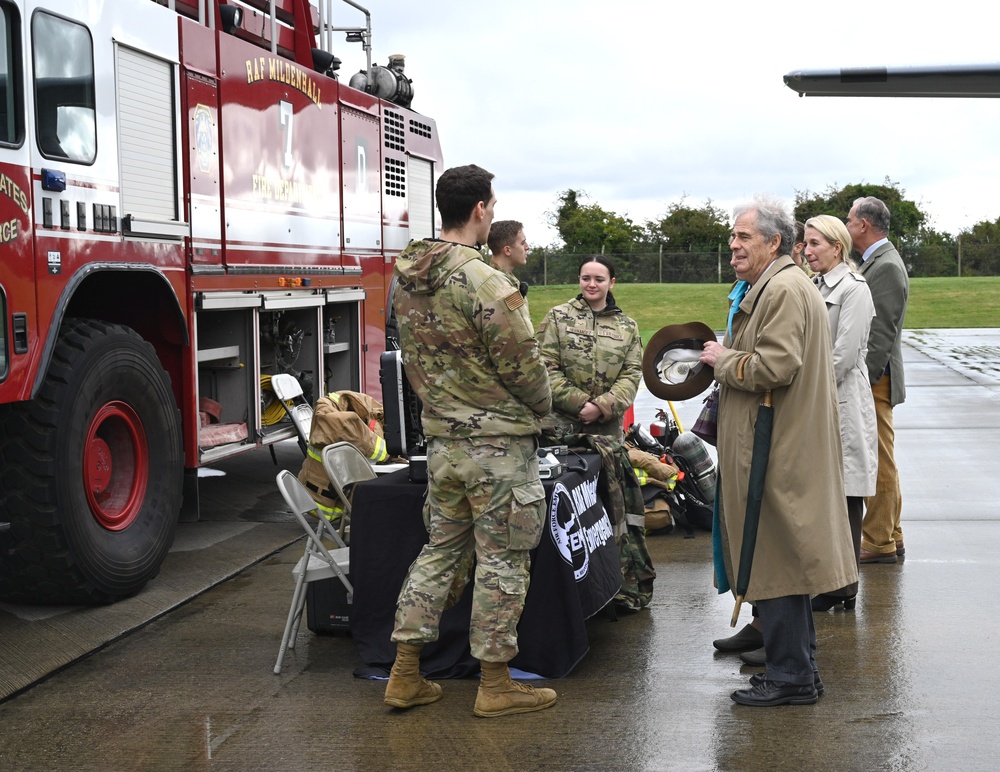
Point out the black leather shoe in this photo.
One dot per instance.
(759, 678)
(746, 639)
(770, 693)
(827, 602)
(755, 657)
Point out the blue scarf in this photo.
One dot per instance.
(736, 296)
(719, 563)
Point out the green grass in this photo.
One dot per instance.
(971, 301)
(939, 302)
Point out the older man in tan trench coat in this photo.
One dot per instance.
(780, 341)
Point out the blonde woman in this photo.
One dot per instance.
(849, 304)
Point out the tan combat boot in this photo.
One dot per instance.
(406, 687)
(499, 696)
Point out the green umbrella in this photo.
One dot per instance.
(755, 492)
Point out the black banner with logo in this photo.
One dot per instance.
(574, 573)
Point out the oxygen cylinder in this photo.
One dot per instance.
(692, 449)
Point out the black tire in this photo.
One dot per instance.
(92, 471)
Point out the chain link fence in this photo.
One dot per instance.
(953, 260)
(711, 265)
(702, 267)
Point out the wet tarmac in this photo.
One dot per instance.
(910, 675)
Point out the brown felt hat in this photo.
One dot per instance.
(670, 365)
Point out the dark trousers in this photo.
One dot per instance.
(789, 639)
(855, 514)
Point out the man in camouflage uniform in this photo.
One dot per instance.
(509, 250)
(508, 246)
(470, 354)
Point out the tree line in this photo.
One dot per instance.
(690, 243)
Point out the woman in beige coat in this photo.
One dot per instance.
(780, 342)
(851, 310)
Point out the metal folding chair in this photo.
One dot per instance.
(288, 390)
(317, 561)
(345, 465)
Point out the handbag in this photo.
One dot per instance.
(706, 426)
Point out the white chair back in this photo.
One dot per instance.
(345, 465)
(288, 390)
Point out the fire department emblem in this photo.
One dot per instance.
(204, 137)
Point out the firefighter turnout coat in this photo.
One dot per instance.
(341, 416)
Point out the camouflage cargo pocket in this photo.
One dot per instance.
(512, 585)
(526, 516)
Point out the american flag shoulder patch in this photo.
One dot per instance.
(514, 300)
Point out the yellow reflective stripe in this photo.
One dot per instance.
(380, 453)
(314, 454)
(330, 513)
(641, 475)
(334, 396)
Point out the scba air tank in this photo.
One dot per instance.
(693, 450)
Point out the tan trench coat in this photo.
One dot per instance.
(781, 341)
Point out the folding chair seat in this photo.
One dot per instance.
(288, 390)
(345, 465)
(316, 563)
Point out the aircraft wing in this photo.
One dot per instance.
(963, 80)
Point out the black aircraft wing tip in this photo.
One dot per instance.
(955, 80)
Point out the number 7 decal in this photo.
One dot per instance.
(285, 116)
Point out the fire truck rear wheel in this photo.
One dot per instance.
(92, 471)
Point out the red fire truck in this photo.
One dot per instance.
(190, 203)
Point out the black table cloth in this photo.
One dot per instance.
(575, 572)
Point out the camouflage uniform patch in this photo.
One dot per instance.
(514, 301)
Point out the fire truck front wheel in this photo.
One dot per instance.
(92, 471)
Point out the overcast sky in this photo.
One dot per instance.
(642, 102)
